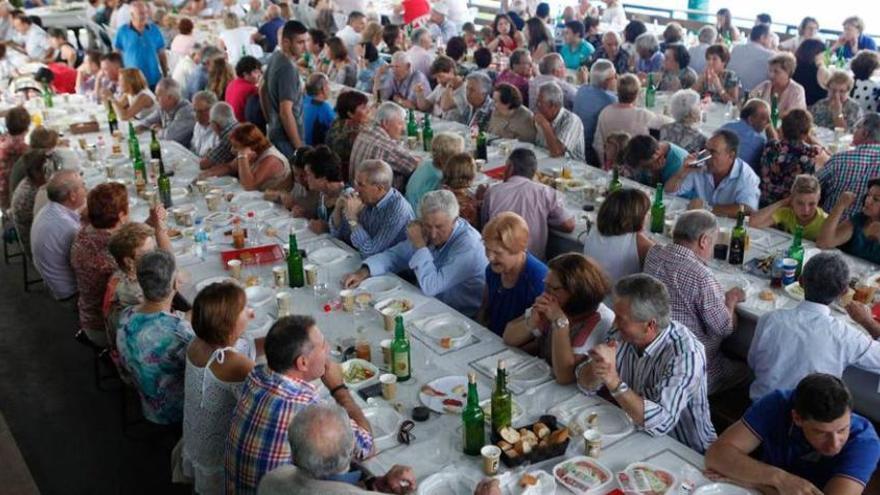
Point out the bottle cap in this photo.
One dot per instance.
(501, 364)
(472, 377)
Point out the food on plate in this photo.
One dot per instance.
(459, 390)
(509, 435)
(356, 373)
(581, 474)
(504, 445)
(431, 391)
(864, 294)
(363, 298)
(796, 290)
(173, 233)
(559, 436)
(646, 480)
(541, 430)
(767, 295)
(446, 342)
(527, 480)
(523, 447)
(399, 305)
(452, 405)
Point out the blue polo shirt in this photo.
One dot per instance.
(270, 31)
(865, 43)
(575, 58)
(739, 187)
(784, 445)
(751, 142)
(505, 305)
(141, 50)
(674, 160)
(317, 118)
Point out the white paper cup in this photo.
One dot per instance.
(389, 386)
(491, 457)
(385, 345)
(234, 269)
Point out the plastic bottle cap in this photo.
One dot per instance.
(421, 413)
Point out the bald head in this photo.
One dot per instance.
(323, 440)
(67, 188)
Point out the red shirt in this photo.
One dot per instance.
(237, 93)
(413, 9)
(65, 78)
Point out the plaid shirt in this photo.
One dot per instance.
(222, 151)
(380, 226)
(849, 171)
(373, 143)
(696, 297)
(257, 441)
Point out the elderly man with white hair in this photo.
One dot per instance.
(480, 105)
(443, 250)
(400, 85)
(381, 141)
(421, 52)
(204, 137)
(376, 218)
(175, 119)
(551, 69)
(439, 26)
(685, 108)
(592, 98)
(706, 37)
(611, 50)
(559, 130)
(223, 122)
(322, 437)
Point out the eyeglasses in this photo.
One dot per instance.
(405, 435)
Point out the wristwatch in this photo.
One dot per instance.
(560, 323)
(621, 389)
(352, 224)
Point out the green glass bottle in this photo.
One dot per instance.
(164, 185)
(400, 358)
(827, 57)
(774, 110)
(132, 139)
(295, 275)
(482, 150)
(412, 128)
(47, 96)
(737, 252)
(155, 148)
(474, 420)
(650, 92)
(112, 120)
(615, 184)
(502, 401)
(658, 211)
(427, 133)
(796, 250)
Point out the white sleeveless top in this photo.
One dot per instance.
(145, 111)
(207, 410)
(618, 255)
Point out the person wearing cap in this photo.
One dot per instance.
(439, 26)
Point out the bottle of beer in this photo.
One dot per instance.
(47, 96)
(412, 128)
(774, 110)
(737, 252)
(400, 359)
(295, 276)
(134, 147)
(112, 120)
(502, 401)
(796, 250)
(615, 184)
(164, 184)
(155, 149)
(658, 211)
(481, 152)
(473, 419)
(427, 133)
(650, 92)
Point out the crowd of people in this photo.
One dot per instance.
(642, 320)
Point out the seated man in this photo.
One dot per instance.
(519, 72)
(375, 218)
(223, 122)
(651, 161)
(559, 130)
(381, 141)
(204, 138)
(653, 366)
(789, 344)
(479, 103)
(296, 355)
(852, 169)
(753, 128)
(444, 251)
(698, 302)
(811, 442)
(551, 68)
(174, 119)
(541, 206)
(400, 85)
(322, 437)
(723, 185)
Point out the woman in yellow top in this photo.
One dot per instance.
(799, 208)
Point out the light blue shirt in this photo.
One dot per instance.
(379, 227)
(789, 344)
(751, 142)
(425, 179)
(575, 58)
(454, 273)
(588, 104)
(52, 234)
(740, 187)
(141, 50)
(749, 62)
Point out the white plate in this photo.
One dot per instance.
(722, 489)
(613, 422)
(258, 207)
(246, 197)
(381, 285)
(360, 383)
(731, 280)
(258, 295)
(208, 281)
(279, 228)
(384, 422)
(795, 291)
(391, 300)
(222, 182)
(328, 255)
(452, 388)
(259, 326)
(446, 483)
(546, 484)
(486, 406)
(447, 326)
(537, 370)
(220, 218)
(598, 486)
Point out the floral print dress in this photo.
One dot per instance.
(780, 163)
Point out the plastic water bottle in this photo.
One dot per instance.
(201, 239)
(102, 148)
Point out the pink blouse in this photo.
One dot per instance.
(793, 96)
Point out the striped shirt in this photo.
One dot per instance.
(670, 375)
(849, 171)
(374, 143)
(379, 227)
(222, 151)
(257, 440)
(569, 130)
(696, 297)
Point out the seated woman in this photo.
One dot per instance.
(719, 82)
(506, 38)
(650, 58)
(538, 38)
(675, 74)
(429, 174)
(568, 319)
(35, 170)
(511, 119)
(87, 74)
(352, 115)
(837, 109)
(215, 373)
(339, 67)
(514, 278)
(259, 165)
(152, 340)
(811, 72)
(685, 107)
(293, 192)
(137, 101)
(458, 176)
(794, 154)
(62, 50)
(107, 210)
(789, 94)
(866, 91)
(860, 234)
(370, 61)
(615, 151)
(800, 208)
(617, 242)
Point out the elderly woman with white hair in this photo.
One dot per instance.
(444, 251)
(675, 74)
(400, 85)
(649, 57)
(427, 177)
(685, 131)
(381, 141)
